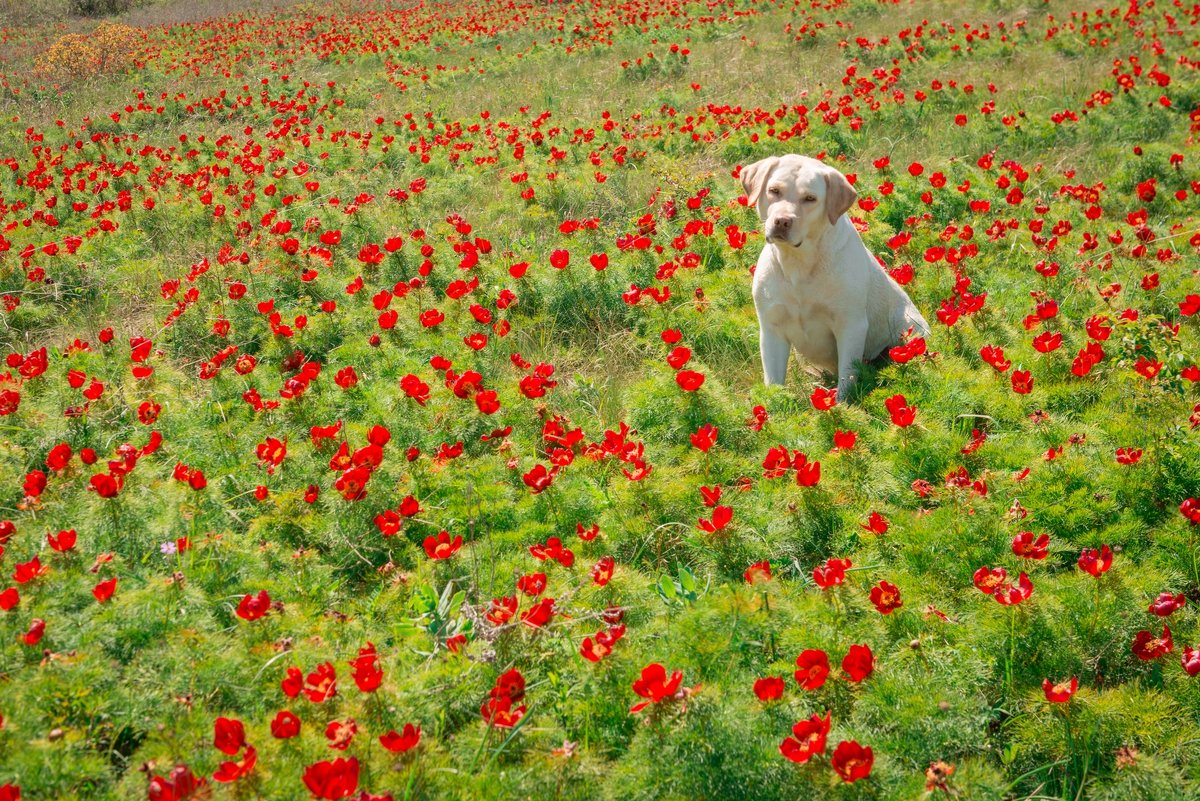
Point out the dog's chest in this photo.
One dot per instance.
(795, 308)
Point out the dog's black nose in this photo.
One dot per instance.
(783, 223)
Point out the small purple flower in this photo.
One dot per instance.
(168, 548)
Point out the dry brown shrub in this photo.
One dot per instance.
(110, 48)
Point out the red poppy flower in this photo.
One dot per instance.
(832, 573)
(655, 686)
(759, 571)
(769, 689)
(902, 414)
(602, 571)
(285, 725)
(1060, 693)
(721, 517)
(812, 668)
(1191, 660)
(689, 380)
(398, 742)
(229, 736)
(705, 437)
(33, 635)
(1147, 646)
(1027, 546)
(989, 580)
(1022, 382)
(844, 440)
(63, 541)
(1095, 562)
(232, 771)
(876, 524)
(321, 684)
(252, 607)
(823, 399)
(539, 614)
(102, 591)
(886, 597)
(332, 780)
(859, 663)
(341, 733)
(1166, 603)
(441, 546)
(178, 785)
(365, 670)
(807, 739)
(852, 761)
(1011, 595)
(595, 649)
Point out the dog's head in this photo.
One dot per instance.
(798, 198)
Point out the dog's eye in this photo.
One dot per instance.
(773, 190)
(810, 199)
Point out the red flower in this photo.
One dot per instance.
(844, 440)
(63, 541)
(886, 597)
(769, 689)
(807, 739)
(1095, 562)
(340, 734)
(252, 607)
(498, 709)
(902, 414)
(832, 573)
(1011, 595)
(1060, 693)
(229, 736)
(285, 725)
(33, 635)
(1128, 456)
(859, 663)
(1027, 546)
(823, 399)
(759, 571)
(655, 686)
(876, 524)
(232, 771)
(721, 517)
(808, 474)
(102, 591)
(1191, 660)
(441, 546)
(601, 646)
(1166, 603)
(398, 743)
(178, 785)
(1190, 509)
(1147, 646)
(679, 356)
(332, 780)
(705, 437)
(852, 761)
(539, 478)
(689, 380)
(989, 580)
(321, 684)
(539, 614)
(1022, 382)
(812, 667)
(602, 572)
(364, 669)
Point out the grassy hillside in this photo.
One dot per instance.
(383, 417)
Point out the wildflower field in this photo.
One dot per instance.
(382, 415)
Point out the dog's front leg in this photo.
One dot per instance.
(774, 350)
(851, 341)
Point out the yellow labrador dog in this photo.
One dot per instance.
(816, 287)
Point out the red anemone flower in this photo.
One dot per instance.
(812, 668)
(441, 546)
(852, 761)
(399, 742)
(655, 686)
(1060, 693)
(807, 739)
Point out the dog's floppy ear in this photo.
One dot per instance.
(839, 194)
(754, 177)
